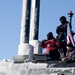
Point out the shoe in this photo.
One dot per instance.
(63, 59)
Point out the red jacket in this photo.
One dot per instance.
(51, 45)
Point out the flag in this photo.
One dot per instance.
(70, 38)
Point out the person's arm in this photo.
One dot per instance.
(58, 44)
(43, 43)
(58, 29)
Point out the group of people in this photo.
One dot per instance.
(57, 47)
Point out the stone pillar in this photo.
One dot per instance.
(25, 21)
(34, 26)
(24, 46)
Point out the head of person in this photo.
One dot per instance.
(70, 47)
(49, 35)
(63, 19)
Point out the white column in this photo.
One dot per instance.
(34, 26)
(24, 46)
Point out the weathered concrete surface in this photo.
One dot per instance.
(25, 21)
(36, 46)
(19, 58)
(34, 24)
(23, 48)
(10, 68)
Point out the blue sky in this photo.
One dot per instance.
(10, 22)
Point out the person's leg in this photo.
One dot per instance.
(62, 54)
(54, 54)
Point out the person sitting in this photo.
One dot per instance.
(51, 45)
(70, 54)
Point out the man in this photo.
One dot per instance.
(62, 29)
(51, 46)
(70, 55)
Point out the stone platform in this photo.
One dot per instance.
(29, 68)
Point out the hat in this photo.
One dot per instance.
(62, 18)
(50, 34)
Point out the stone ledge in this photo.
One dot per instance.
(10, 68)
(20, 58)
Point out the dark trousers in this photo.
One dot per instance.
(54, 54)
(62, 52)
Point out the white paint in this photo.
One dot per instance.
(32, 22)
(34, 27)
(36, 45)
(30, 55)
(23, 21)
(24, 49)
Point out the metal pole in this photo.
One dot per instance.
(70, 22)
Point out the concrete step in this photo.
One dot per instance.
(20, 58)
